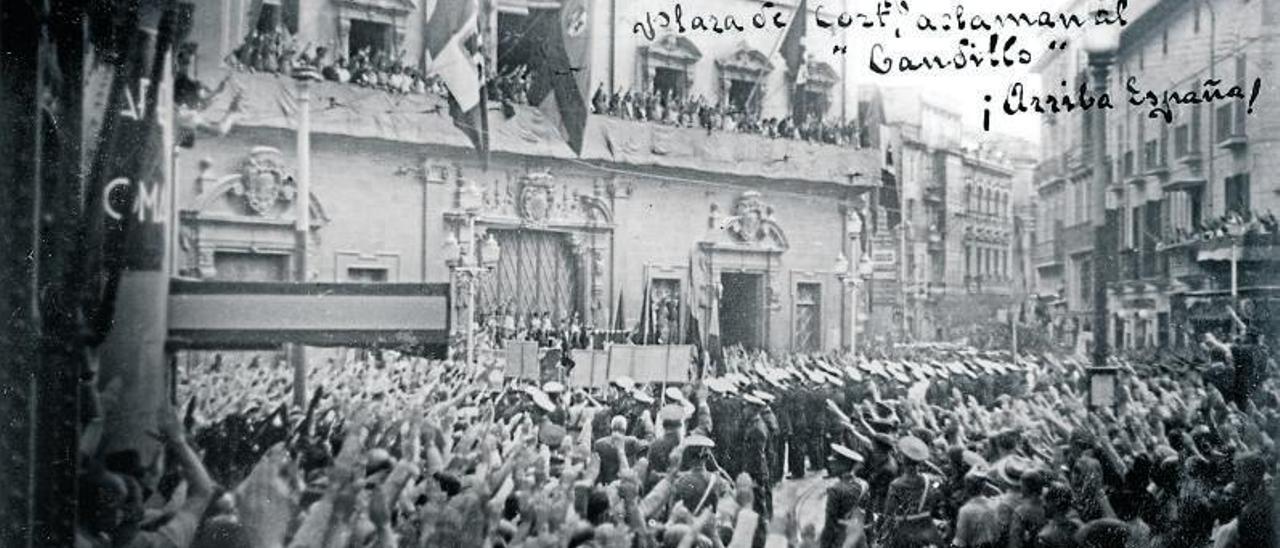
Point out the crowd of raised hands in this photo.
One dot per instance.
(403, 451)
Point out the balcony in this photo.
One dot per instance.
(423, 119)
(1077, 238)
(935, 193)
(1230, 126)
(988, 285)
(1188, 181)
(1047, 254)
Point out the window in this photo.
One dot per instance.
(808, 317)
(1136, 223)
(1181, 141)
(1164, 42)
(1085, 274)
(668, 81)
(1195, 204)
(366, 274)
(370, 36)
(1224, 118)
(1197, 19)
(1151, 154)
(268, 18)
(1128, 163)
(743, 96)
(1236, 193)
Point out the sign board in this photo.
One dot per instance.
(522, 360)
(591, 368)
(650, 363)
(229, 315)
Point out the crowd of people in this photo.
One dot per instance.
(1232, 224)
(278, 52)
(671, 108)
(931, 447)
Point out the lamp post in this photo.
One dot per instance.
(852, 276)
(1100, 43)
(469, 261)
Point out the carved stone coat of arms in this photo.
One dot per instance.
(264, 182)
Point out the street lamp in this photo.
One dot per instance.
(469, 261)
(852, 277)
(1101, 41)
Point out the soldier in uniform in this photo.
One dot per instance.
(672, 418)
(845, 514)
(908, 509)
(755, 454)
(792, 430)
(774, 449)
(700, 486)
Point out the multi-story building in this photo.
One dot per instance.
(738, 230)
(959, 246)
(1183, 202)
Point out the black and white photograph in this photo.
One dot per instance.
(639, 273)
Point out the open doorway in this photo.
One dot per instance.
(742, 310)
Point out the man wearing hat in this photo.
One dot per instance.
(700, 485)
(845, 499)
(672, 418)
(908, 507)
(755, 454)
(978, 523)
(554, 391)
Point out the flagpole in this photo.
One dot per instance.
(484, 119)
(772, 51)
(297, 354)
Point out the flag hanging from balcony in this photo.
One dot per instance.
(792, 50)
(566, 69)
(454, 50)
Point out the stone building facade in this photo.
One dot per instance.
(959, 247)
(1174, 187)
(737, 230)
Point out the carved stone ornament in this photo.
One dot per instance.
(749, 216)
(264, 182)
(536, 198)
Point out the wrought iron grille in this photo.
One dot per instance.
(535, 274)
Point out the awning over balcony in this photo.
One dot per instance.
(271, 101)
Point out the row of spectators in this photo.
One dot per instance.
(278, 52)
(1233, 223)
(669, 108)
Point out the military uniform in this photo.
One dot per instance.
(908, 513)
(843, 498)
(755, 461)
(698, 489)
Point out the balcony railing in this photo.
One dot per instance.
(1048, 253)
